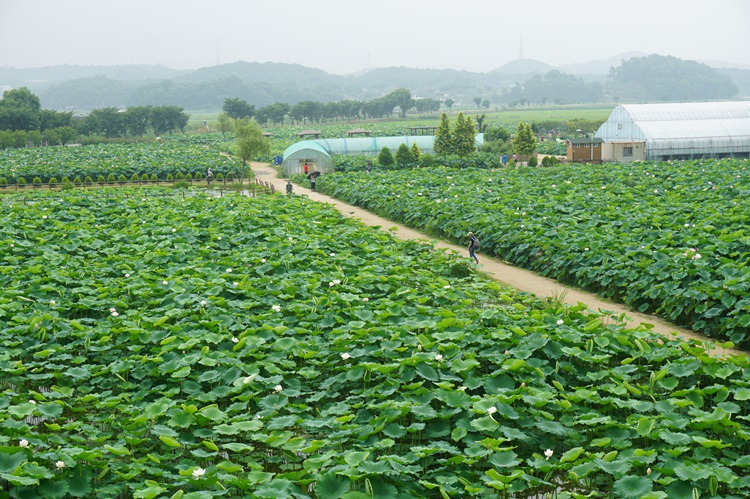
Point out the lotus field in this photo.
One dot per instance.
(669, 239)
(161, 346)
(155, 158)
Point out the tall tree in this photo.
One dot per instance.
(404, 156)
(524, 142)
(238, 108)
(401, 98)
(250, 141)
(224, 124)
(449, 103)
(20, 110)
(443, 136)
(464, 135)
(478, 102)
(138, 120)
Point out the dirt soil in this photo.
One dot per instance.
(515, 277)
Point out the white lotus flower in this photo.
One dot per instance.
(115, 314)
(23, 443)
(236, 283)
(235, 339)
(447, 286)
(198, 472)
(278, 388)
(276, 308)
(174, 230)
(548, 453)
(127, 275)
(492, 410)
(165, 282)
(346, 356)
(52, 302)
(229, 271)
(203, 303)
(438, 357)
(648, 471)
(560, 322)
(60, 465)
(365, 299)
(219, 238)
(332, 254)
(696, 256)
(262, 260)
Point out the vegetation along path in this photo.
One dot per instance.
(515, 277)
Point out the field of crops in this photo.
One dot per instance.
(670, 239)
(159, 158)
(156, 345)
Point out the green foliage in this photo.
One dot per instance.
(379, 368)
(250, 142)
(656, 236)
(134, 178)
(219, 176)
(77, 180)
(198, 176)
(179, 176)
(385, 157)
(443, 136)
(88, 180)
(170, 177)
(154, 177)
(122, 179)
(21, 182)
(189, 177)
(464, 136)
(532, 161)
(524, 142)
(236, 109)
(404, 156)
(111, 178)
(548, 161)
(36, 181)
(101, 180)
(415, 152)
(52, 181)
(3, 182)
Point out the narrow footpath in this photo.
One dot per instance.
(504, 273)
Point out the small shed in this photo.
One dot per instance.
(309, 133)
(585, 150)
(359, 131)
(267, 134)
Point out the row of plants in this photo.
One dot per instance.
(201, 346)
(665, 238)
(111, 180)
(151, 158)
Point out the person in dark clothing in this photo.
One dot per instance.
(473, 246)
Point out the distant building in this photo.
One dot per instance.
(660, 132)
(585, 150)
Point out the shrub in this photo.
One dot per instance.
(121, 179)
(170, 177)
(88, 180)
(511, 164)
(179, 176)
(67, 185)
(404, 156)
(532, 161)
(37, 182)
(134, 178)
(154, 178)
(52, 182)
(198, 176)
(101, 180)
(219, 176)
(144, 177)
(77, 181)
(21, 182)
(415, 152)
(181, 184)
(3, 182)
(189, 177)
(385, 158)
(111, 178)
(65, 180)
(427, 160)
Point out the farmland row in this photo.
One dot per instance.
(164, 345)
(670, 239)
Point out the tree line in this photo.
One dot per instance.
(398, 101)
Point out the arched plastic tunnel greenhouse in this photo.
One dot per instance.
(318, 154)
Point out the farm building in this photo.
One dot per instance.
(318, 153)
(585, 150)
(636, 132)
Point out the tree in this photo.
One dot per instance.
(385, 158)
(107, 121)
(415, 152)
(225, 124)
(449, 103)
(404, 156)
(138, 119)
(478, 101)
(20, 110)
(443, 136)
(250, 141)
(401, 98)
(496, 140)
(524, 142)
(238, 108)
(165, 119)
(464, 136)
(486, 103)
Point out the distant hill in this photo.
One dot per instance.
(524, 67)
(599, 66)
(38, 77)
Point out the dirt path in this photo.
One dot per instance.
(515, 277)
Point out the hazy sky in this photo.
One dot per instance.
(345, 36)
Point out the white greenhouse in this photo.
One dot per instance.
(659, 132)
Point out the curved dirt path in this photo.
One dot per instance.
(515, 277)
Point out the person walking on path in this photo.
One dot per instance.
(306, 168)
(312, 182)
(473, 246)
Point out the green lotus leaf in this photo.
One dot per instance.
(633, 487)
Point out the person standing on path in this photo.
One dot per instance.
(306, 168)
(312, 182)
(473, 246)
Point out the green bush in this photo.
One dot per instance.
(532, 161)
(66, 186)
(219, 176)
(144, 177)
(37, 182)
(427, 160)
(88, 180)
(179, 176)
(52, 182)
(511, 164)
(121, 179)
(101, 180)
(21, 182)
(77, 181)
(198, 176)
(134, 178)
(385, 158)
(111, 178)
(181, 184)
(170, 177)
(3, 182)
(189, 177)
(154, 177)
(64, 180)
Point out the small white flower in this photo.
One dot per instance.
(332, 254)
(203, 303)
(112, 310)
(656, 191)
(236, 283)
(687, 225)
(219, 238)
(198, 472)
(60, 465)
(276, 308)
(331, 284)
(492, 410)
(447, 286)
(45, 216)
(127, 275)
(229, 271)
(165, 282)
(115, 314)
(23, 443)
(365, 299)
(32, 401)
(291, 239)
(52, 302)
(648, 471)
(346, 356)
(438, 357)
(235, 340)
(560, 322)
(262, 260)
(696, 256)
(278, 388)
(548, 453)
(585, 249)
(174, 230)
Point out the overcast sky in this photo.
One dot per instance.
(346, 36)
